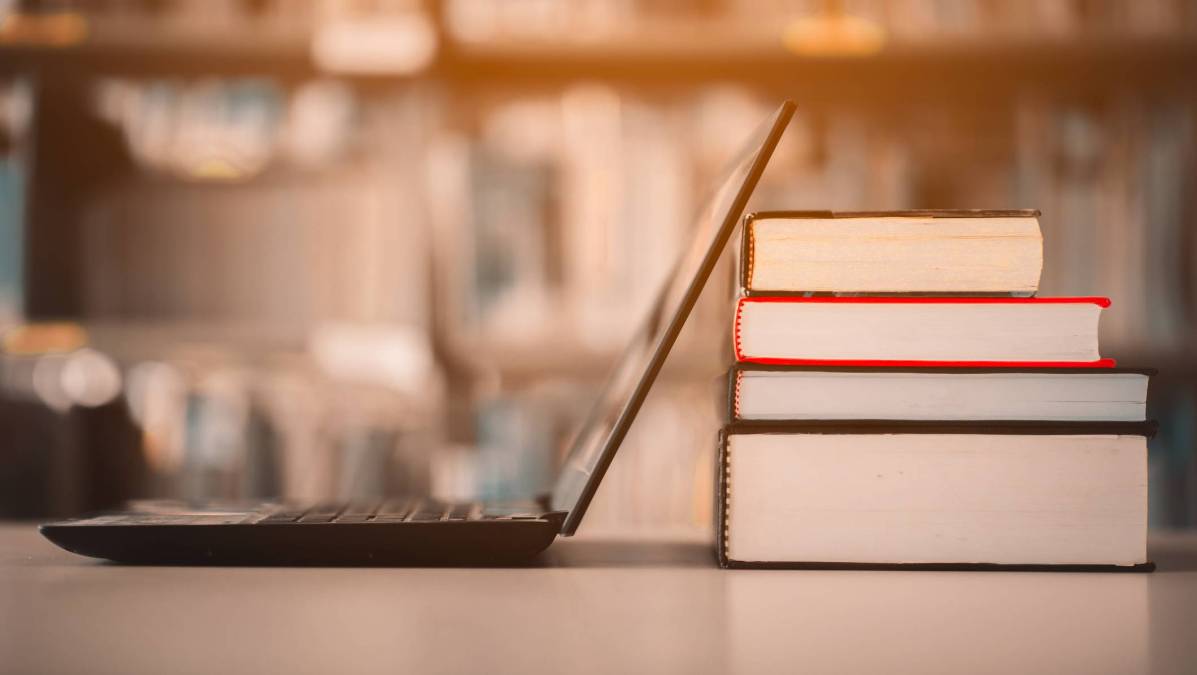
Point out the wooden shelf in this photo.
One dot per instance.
(957, 71)
(958, 66)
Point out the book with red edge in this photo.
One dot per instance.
(904, 331)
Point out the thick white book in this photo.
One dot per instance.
(821, 495)
(783, 393)
(892, 252)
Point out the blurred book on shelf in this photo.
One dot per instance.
(568, 209)
(16, 102)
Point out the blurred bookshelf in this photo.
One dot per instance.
(485, 193)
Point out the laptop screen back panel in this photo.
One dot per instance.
(595, 444)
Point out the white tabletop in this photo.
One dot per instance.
(593, 606)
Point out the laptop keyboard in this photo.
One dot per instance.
(414, 510)
(400, 510)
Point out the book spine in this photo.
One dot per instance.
(722, 482)
(747, 253)
(734, 382)
(737, 336)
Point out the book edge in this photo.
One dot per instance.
(1146, 428)
(722, 522)
(1143, 567)
(761, 293)
(909, 213)
(737, 385)
(749, 366)
(736, 326)
(1104, 363)
(747, 256)
(904, 299)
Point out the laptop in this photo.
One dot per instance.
(421, 530)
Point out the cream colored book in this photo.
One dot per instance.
(933, 252)
(941, 495)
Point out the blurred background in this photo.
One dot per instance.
(349, 248)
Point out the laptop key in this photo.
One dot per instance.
(390, 511)
(388, 518)
(358, 512)
(325, 513)
(281, 517)
(459, 511)
(424, 515)
(395, 509)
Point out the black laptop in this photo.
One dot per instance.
(417, 530)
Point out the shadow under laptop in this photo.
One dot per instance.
(1167, 552)
(615, 553)
(578, 554)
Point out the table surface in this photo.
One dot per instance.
(592, 605)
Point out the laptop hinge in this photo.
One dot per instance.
(557, 518)
(545, 501)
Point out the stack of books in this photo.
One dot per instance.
(902, 398)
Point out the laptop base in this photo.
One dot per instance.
(189, 540)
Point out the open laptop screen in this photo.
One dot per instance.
(600, 435)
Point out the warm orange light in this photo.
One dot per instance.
(43, 338)
(218, 169)
(400, 44)
(57, 29)
(833, 35)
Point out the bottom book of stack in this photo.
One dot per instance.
(934, 495)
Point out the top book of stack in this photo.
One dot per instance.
(910, 252)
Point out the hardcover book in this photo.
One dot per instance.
(925, 252)
(919, 331)
(758, 393)
(1058, 496)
